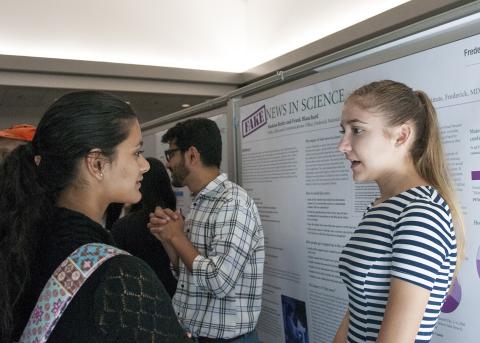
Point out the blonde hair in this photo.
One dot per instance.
(398, 104)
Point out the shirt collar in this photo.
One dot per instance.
(213, 186)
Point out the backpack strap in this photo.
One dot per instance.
(62, 286)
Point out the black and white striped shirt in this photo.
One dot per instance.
(409, 236)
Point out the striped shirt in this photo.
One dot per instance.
(222, 297)
(409, 236)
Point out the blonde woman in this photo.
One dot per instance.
(400, 261)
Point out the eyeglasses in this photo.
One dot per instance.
(169, 153)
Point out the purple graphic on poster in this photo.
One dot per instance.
(478, 261)
(254, 121)
(453, 299)
(476, 175)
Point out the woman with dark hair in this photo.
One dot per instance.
(131, 232)
(54, 192)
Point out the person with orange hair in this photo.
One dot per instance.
(13, 137)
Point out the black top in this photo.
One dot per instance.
(123, 301)
(131, 234)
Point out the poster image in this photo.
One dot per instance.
(294, 320)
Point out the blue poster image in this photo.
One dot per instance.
(294, 320)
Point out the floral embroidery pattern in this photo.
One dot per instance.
(61, 288)
(37, 314)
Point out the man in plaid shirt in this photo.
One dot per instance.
(217, 252)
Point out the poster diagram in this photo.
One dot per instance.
(295, 320)
(453, 299)
(478, 261)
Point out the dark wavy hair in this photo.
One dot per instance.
(203, 134)
(74, 125)
(156, 189)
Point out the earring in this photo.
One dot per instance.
(101, 174)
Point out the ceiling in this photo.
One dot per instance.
(159, 55)
(217, 35)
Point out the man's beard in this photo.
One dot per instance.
(179, 173)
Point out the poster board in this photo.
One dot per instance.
(289, 163)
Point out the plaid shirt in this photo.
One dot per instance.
(222, 297)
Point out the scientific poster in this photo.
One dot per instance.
(309, 204)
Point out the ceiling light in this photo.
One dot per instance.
(185, 105)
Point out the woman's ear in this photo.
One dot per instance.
(403, 134)
(95, 163)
